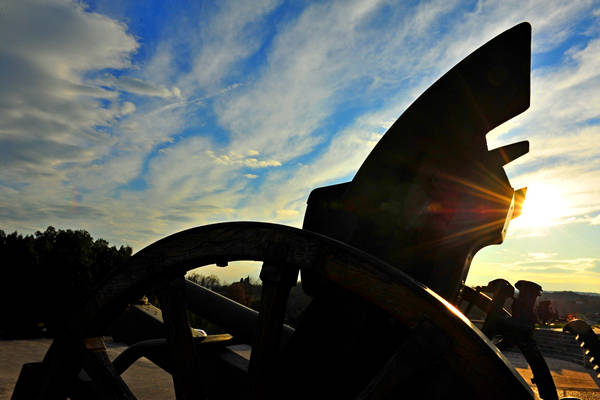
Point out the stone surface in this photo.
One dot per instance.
(571, 379)
(145, 379)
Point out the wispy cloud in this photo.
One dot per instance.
(548, 264)
(312, 65)
(138, 86)
(552, 272)
(51, 116)
(541, 256)
(242, 160)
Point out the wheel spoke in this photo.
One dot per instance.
(62, 363)
(184, 361)
(106, 380)
(277, 282)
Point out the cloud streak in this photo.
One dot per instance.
(138, 86)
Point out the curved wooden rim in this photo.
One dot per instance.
(378, 282)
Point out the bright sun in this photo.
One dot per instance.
(543, 206)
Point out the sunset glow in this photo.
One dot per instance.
(544, 206)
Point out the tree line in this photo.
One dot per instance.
(46, 274)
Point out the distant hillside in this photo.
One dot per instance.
(582, 305)
(589, 294)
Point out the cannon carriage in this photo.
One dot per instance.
(383, 257)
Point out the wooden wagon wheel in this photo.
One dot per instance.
(284, 250)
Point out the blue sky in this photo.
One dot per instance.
(135, 119)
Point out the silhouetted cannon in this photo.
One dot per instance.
(383, 257)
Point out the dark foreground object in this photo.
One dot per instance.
(383, 257)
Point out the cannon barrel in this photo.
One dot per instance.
(240, 320)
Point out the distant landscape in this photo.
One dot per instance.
(579, 305)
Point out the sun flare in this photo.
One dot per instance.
(544, 206)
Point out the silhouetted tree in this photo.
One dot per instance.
(45, 275)
(211, 282)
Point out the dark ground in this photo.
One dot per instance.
(147, 381)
